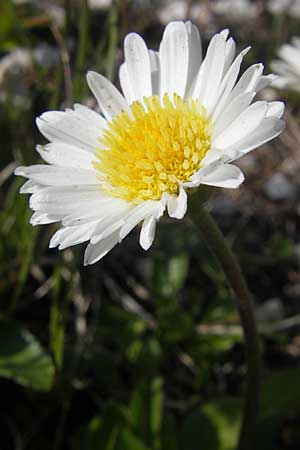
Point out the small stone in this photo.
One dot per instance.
(46, 55)
(279, 188)
(270, 310)
(223, 205)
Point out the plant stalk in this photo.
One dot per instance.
(217, 243)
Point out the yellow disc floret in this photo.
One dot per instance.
(153, 148)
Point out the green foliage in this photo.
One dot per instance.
(10, 27)
(215, 424)
(146, 411)
(167, 277)
(137, 427)
(281, 246)
(22, 358)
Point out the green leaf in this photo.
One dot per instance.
(214, 426)
(281, 246)
(128, 441)
(102, 431)
(226, 415)
(110, 432)
(178, 270)
(146, 411)
(168, 277)
(22, 358)
(175, 324)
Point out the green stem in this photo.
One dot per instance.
(79, 81)
(112, 40)
(216, 241)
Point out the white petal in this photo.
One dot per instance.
(94, 210)
(236, 107)
(77, 235)
(82, 208)
(138, 66)
(155, 71)
(109, 98)
(61, 210)
(270, 128)
(177, 205)
(174, 58)
(94, 252)
(65, 155)
(211, 70)
(214, 155)
(71, 128)
(147, 232)
(110, 224)
(230, 50)
(242, 126)
(248, 81)
(275, 109)
(195, 53)
(226, 86)
(214, 71)
(125, 83)
(54, 241)
(57, 176)
(66, 200)
(139, 213)
(29, 187)
(39, 218)
(155, 75)
(265, 81)
(92, 117)
(290, 55)
(225, 176)
(69, 193)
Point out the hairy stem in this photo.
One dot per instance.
(217, 243)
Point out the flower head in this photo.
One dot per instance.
(180, 123)
(288, 66)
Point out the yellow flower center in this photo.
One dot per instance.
(153, 149)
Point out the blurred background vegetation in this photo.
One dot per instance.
(142, 351)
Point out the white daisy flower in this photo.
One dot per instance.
(288, 66)
(180, 123)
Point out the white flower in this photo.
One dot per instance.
(180, 123)
(288, 66)
(15, 70)
(178, 9)
(99, 5)
(235, 9)
(289, 7)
